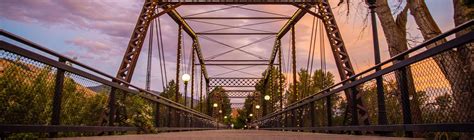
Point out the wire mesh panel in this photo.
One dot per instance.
(26, 88)
(43, 97)
(425, 91)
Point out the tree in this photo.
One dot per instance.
(271, 88)
(170, 92)
(26, 94)
(456, 65)
(318, 81)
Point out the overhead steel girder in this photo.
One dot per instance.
(292, 21)
(239, 93)
(197, 47)
(234, 2)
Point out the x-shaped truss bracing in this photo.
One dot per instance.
(233, 82)
(323, 12)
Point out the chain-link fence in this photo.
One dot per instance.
(426, 91)
(44, 94)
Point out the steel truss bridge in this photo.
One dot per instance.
(314, 113)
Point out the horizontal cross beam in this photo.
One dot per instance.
(236, 33)
(253, 60)
(233, 2)
(233, 18)
(236, 64)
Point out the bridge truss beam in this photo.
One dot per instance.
(233, 82)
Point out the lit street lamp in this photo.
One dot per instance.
(215, 105)
(257, 106)
(250, 114)
(185, 78)
(225, 117)
(267, 97)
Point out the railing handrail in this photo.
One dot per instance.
(55, 54)
(396, 57)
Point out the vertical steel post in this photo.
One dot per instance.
(208, 99)
(178, 65)
(193, 58)
(178, 62)
(355, 120)
(312, 114)
(280, 79)
(112, 109)
(200, 94)
(405, 97)
(286, 119)
(157, 114)
(58, 91)
(329, 110)
(169, 116)
(149, 58)
(293, 118)
(293, 56)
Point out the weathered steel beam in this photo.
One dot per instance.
(247, 60)
(219, 18)
(236, 33)
(236, 64)
(234, 2)
(130, 58)
(292, 21)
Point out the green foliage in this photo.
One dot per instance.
(26, 94)
(307, 85)
(219, 96)
(270, 88)
(25, 100)
(138, 112)
(170, 92)
(241, 120)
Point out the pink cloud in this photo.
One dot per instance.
(114, 22)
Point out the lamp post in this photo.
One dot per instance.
(382, 116)
(266, 98)
(215, 105)
(257, 107)
(185, 78)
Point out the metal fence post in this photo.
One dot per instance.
(157, 114)
(293, 118)
(403, 86)
(311, 111)
(112, 109)
(329, 111)
(58, 91)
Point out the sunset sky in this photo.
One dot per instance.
(97, 33)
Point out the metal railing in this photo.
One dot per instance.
(41, 89)
(420, 97)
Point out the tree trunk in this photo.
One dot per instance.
(456, 65)
(395, 34)
(463, 12)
